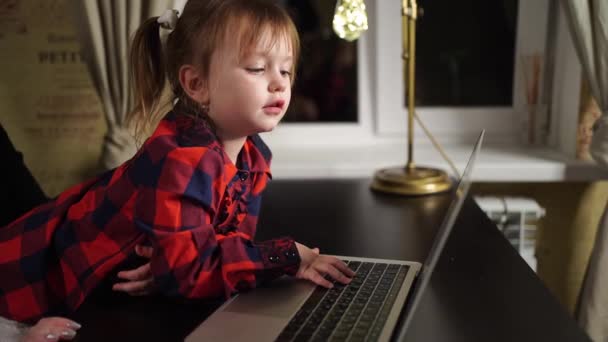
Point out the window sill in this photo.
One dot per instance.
(496, 163)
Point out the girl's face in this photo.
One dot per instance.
(249, 95)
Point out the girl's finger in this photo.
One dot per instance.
(318, 279)
(55, 334)
(337, 275)
(67, 334)
(342, 267)
(133, 286)
(140, 273)
(144, 251)
(60, 322)
(49, 336)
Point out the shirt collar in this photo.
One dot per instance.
(256, 154)
(195, 131)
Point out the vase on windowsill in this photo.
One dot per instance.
(589, 114)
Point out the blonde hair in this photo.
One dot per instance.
(202, 28)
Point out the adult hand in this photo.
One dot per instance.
(139, 280)
(51, 329)
(315, 267)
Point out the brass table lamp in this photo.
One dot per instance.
(409, 179)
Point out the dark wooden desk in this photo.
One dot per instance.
(481, 290)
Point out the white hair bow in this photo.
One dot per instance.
(168, 19)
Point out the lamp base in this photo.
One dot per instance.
(412, 181)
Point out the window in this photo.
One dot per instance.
(381, 113)
(465, 53)
(326, 87)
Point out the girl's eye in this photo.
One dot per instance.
(285, 73)
(255, 70)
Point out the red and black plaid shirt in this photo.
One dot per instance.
(180, 193)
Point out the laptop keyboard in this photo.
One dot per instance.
(353, 312)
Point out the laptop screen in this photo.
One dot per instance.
(442, 236)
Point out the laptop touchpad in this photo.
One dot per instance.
(280, 298)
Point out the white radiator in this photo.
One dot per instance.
(517, 218)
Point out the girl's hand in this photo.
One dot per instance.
(51, 329)
(315, 267)
(140, 280)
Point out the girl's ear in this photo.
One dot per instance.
(194, 85)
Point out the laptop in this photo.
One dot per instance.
(367, 309)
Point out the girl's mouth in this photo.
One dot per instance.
(275, 107)
(278, 104)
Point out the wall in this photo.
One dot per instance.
(47, 103)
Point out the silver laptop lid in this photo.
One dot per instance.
(442, 236)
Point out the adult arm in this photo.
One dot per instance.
(20, 190)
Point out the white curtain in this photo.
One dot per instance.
(588, 20)
(105, 27)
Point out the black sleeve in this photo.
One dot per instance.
(19, 191)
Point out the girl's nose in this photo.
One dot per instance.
(277, 88)
(277, 84)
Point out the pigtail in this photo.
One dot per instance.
(147, 77)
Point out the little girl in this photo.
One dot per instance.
(193, 190)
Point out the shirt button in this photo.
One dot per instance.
(243, 175)
(290, 255)
(273, 258)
